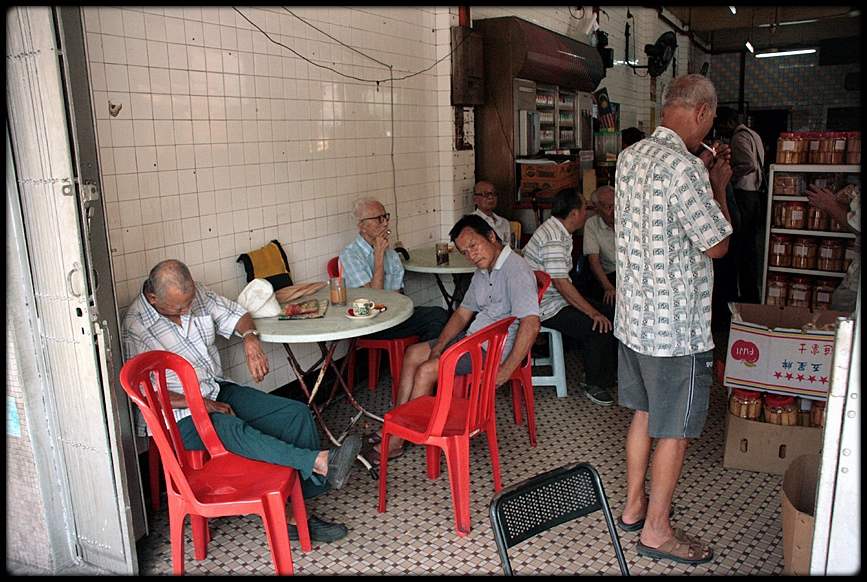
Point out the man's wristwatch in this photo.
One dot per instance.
(255, 332)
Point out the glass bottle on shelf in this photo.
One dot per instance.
(823, 291)
(804, 251)
(778, 289)
(780, 251)
(800, 292)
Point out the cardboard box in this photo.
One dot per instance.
(770, 352)
(550, 178)
(799, 503)
(753, 445)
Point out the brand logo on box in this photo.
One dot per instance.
(746, 351)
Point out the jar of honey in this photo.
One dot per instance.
(823, 291)
(817, 413)
(800, 292)
(746, 404)
(781, 251)
(778, 289)
(780, 410)
(817, 219)
(804, 252)
(830, 256)
(795, 215)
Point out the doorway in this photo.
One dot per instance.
(769, 124)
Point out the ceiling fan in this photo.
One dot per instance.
(659, 54)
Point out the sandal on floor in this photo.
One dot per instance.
(638, 525)
(681, 548)
(369, 441)
(372, 456)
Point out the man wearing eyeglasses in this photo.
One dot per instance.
(485, 199)
(368, 261)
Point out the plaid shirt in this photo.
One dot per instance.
(144, 330)
(358, 258)
(550, 250)
(665, 219)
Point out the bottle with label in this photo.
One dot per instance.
(853, 249)
(780, 409)
(781, 250)
(795, 215)
(817, 219)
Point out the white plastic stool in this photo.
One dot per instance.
(555, 360)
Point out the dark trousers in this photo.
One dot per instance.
(598, 349)
(425, 321)
(752, 244)
(267, 428)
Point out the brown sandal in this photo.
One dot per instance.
(372, 456)
(681, 548)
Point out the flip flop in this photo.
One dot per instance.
(638, 525)
(679, 548)
(372, 456)
(369, 441)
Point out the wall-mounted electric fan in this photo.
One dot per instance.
(659, 54)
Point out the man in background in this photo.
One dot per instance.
(485, 199)
(599, 246)
(563, 307)
(368, 261)
(671, 220)
(747, 163)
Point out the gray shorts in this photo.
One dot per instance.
(674, 391)
(465, 363)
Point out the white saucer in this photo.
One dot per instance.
(373, 313)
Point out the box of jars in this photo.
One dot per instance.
(787, 350)
(769, 447)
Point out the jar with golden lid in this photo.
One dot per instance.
(781, 250)
(778, 289)
(780, 410)
(830, 257)
(823, 291)
(817, 219)
(804, 252)
(800, 292)
(817, 413)
(746, 404)
(795, 215)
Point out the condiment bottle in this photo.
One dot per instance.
(780, 410)
(746, 404)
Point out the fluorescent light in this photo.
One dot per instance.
(749, 46)
(785, 53)
(733, 9)
(787, 23)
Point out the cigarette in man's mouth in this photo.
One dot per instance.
(708, 148)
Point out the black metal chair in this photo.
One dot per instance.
(540, 503)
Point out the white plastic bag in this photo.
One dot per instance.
(259, 299)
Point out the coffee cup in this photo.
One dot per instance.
(362, 307)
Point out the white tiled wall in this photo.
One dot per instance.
(220, 129)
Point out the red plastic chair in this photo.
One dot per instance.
(394, 347)
(447, 421)
(521, 380)
(226, 484)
